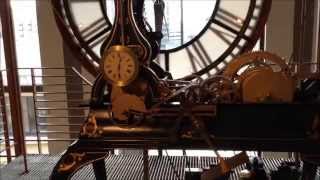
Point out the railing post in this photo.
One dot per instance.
(13, 79)
(5, 120)
(34, 92)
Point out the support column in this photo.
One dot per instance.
(279, 39)
(73, 85)
(280, 28)
(304, 34)
(13, 78)
(51, 46)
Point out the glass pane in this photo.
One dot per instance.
(180, 23)
(27, 38)
(91, 22)
(2, 60)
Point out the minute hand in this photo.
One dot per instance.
(119, 66)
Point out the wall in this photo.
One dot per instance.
(51, 46)
(280, 28)
(279, 38)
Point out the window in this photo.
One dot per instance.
(179, 24)
(27, 40)
(24, 14)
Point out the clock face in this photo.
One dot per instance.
(119, 65)
(183, 20)
(200, 37)
(84, 26)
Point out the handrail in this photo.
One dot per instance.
(59, 92)
(52, 87)
(4, 123)
(82, 77)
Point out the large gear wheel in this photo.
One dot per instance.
(261, 77)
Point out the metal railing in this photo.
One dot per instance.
(56, 112)
(5, 146)
(58, 104)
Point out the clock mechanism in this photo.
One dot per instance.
(156, 88)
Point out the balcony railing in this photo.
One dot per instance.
(53, 109)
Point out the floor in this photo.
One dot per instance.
(120, 167)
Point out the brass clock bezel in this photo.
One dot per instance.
(120, 49)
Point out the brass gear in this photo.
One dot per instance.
(261, 77)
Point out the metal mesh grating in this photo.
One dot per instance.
(121, 167)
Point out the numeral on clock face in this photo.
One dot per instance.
(200, 37)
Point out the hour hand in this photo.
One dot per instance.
(119, 66)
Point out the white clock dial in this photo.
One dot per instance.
(200, 38)
(120, 65)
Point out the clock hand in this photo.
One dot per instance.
(119, 66)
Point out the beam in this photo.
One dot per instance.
(13, 78)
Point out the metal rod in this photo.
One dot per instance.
(48, 140)
(50, 116)
(13, 79)
(6, 156)
(201, 128)
(59, 132)
(65, 92)
(62, 100)
(181, 23)
(166, 60)
(34, 91)
(262, 47)
(263, 39)
(48, 68)
(48, 124)
(54, 76)
(63, 84)
(62, 108)
(5, 120)
(82, 77)
(145, 165)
